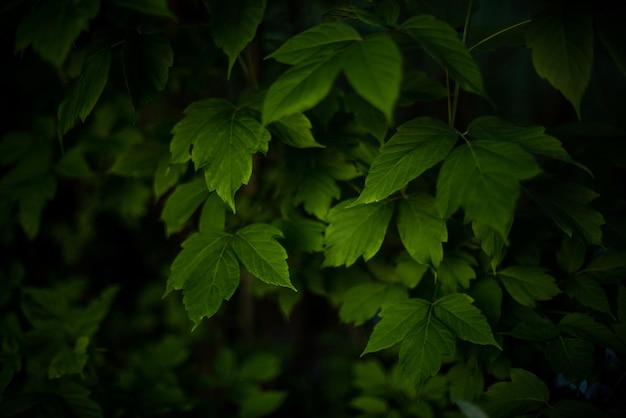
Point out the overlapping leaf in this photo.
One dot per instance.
(355, 231)
(561, 39)
(234, 24)
(361, 302)
(316, 192)
(295, 130)
(421, 229)
(442, 43)
(417, 146)
(483, 178)
(182, 203)
(467, 322)
(524, 393)
(528, 284)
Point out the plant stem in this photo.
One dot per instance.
(500, 32)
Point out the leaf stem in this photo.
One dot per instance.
(457, 87)
(500, 32)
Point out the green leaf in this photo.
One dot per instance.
(571, 255)
(295, 130)
(456, 269)
(487, 295)
(369, 376)
(234, 25)
(530, 325)
(588, 292)
(524, 393)
(367, 117)
(257, 249)
(421, 229)
(151, 7)
(571, 357)
(532, 138)
(397, 320)
(585, 326)
(374, 68)
(207, 271)
(139, 160)
(316, 191)
(422, 349)
(261, 367)
(370, 404)
(318, 40)
(147, 59)
(417, 146)
(182, 203)
(355, 231)
(261, 404)
(166, 175)
(483, 177)
(567, 205)
(491, 242)
(528, 284)
(361, 302)
(52, 26)
(442, 43)
(466, 382)
(85, 92)
(607, 266)
(561, 39)
(301, 87)
(303, 234)
(224, 139)
(464, 319)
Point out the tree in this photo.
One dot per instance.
(272, 208)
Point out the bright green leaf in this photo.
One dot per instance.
(147, 59)
(442, 43)
(571, 357)
(561, 39)
(318, 40)
(423, 347)
(52, 26)
(397, 320)
(483, 177)
(295, 130)
(568, 205)
(86, 90)
(417, 146)
(464, 319)
(524, 393)
(361, 302)
(528, 284)
(151, 7)
(234, 25)
(355, 231)
(374, 68)
(421, 229)
(182, 203)
(257, 249)
(301, 87)
(588, 292)
(207, 271)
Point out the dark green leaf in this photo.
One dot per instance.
(182, 203)
(234, 24)
(464, 319)
(355, 231)
(316, 192)
(491, 242)
(139, 160)
(257, 249)
(151, 7)
(442, 43)
(528, 284)
(295, 130)
(483, 177)
(397, 320)
(584, 326)
(318, 40)
(421, 229)
(260, 404)
(530, 325)
(561, 39)
(588, 292)
(524, 393)
(370, 404)
(85, 92)
(487, 295)
(261, 367)
(166, 175)
(417, 146)
(303, 234)
(52, 26)
(571, 357)
(367, 116)
(571, 255)
(466, 382)
(147, 59)
(373, 67)
(607, 266)
(567, 408)
(361, 302)
(456, 270)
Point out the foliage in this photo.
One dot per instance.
(364, 208)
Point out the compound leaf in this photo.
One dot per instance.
(468, 323)
(207, 271)
(483, 177)
(355, 231)
(257, 249)
(528, 284)
(234, 24)
(417, 146)
(373, 67)
(561, 39)
(442, 43)
(397, 320)
(421, 229)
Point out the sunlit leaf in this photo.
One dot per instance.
(464, 319)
